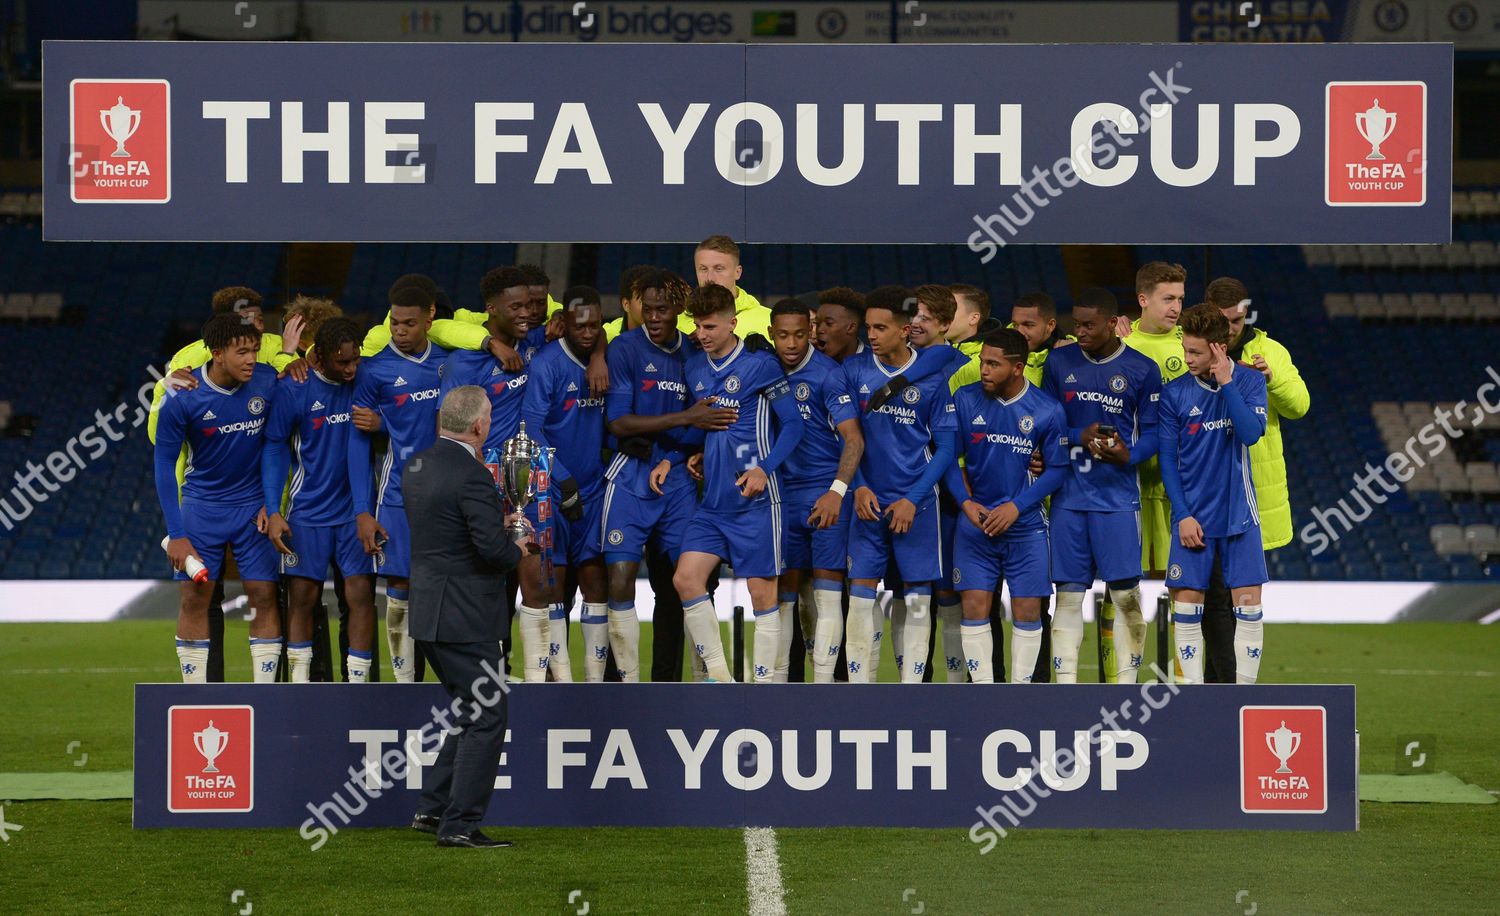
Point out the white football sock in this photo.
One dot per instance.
(979, 647)
(768, 642)
(916, 636)
(951, 617)
(1025, 645)
(702, 627)
(265, 653)
(534, 652)
(877, 631)
(192, 660)
(595, 623)
(897, 631)
(1067, 636)
(783, 661)
(559, 662)
(299, 656)
(625, 640)
(1188, 625)
(807, 620)
(1130, 633)
(860, 637)
(403, 653)
(1249, 639)
(829, 630)
(359, 666)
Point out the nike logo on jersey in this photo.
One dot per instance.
(210, 416)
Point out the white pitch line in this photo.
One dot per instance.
(763, 873)
(1394, 672)
(159, 669)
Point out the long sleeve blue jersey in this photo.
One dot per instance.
(405, 390)
(1206, 431)
(1121, 390)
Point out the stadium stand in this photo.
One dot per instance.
(79, 324)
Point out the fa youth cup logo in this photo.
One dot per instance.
(1283, 742)
(210, 758)
(1375, 138)
(1283, 760)
(119, 146)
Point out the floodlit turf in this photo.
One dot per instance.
(1439, 683)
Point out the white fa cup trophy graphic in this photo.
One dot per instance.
(1283, 742)
(1376, 125)
(211, 742)
(120, 122)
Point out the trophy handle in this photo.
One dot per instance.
(1271, 744)
(135, 124)
(1359, 124)
(1296, 743)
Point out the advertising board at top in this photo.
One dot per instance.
(982, 145)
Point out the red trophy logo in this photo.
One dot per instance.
(210, 758)
(120, 141)
(1376, 145)
(1283, 765)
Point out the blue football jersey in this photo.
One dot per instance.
(899, 433)
(816, 384)
(1122, 390)
(647, 380)
(1213, 464)
(222, 428)
(313, 419)
(997, 438)
(532, 344)
(506, 390)
(748, 382)
(405, 390)
(560, 413)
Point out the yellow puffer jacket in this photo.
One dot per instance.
(1288, 398)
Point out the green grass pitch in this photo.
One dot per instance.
(73, 683)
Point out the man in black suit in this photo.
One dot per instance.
(461, 551)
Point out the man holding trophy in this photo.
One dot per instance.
(462, 548)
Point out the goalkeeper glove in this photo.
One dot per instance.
(571, 505)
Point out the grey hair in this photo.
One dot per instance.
(462, 408)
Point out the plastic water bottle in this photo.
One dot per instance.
(193, 567)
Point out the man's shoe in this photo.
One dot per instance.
(474, 839)
(426, 823)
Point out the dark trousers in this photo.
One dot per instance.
(1218, 630)
(667, 639)
(214, 672)
(1000, 658)
(459, 784)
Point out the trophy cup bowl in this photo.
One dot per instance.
(211, 742)
(1283, 742)
(517, 458)
(120, 123)
(1376, 125)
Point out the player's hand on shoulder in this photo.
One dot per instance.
(508, 358)
(1190, 532)
(555, 327)
(753, 482)
(184, 379)
(297, 369)
(866, 506)
(366, 419)
(1122, 326)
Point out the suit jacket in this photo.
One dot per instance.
(460, 548)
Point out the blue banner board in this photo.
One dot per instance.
(988, 759)
(984, 145)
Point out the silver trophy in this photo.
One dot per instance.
(120, 122)
(1283, 742)
(518, 476)
(211, 742)
(1376, 125)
